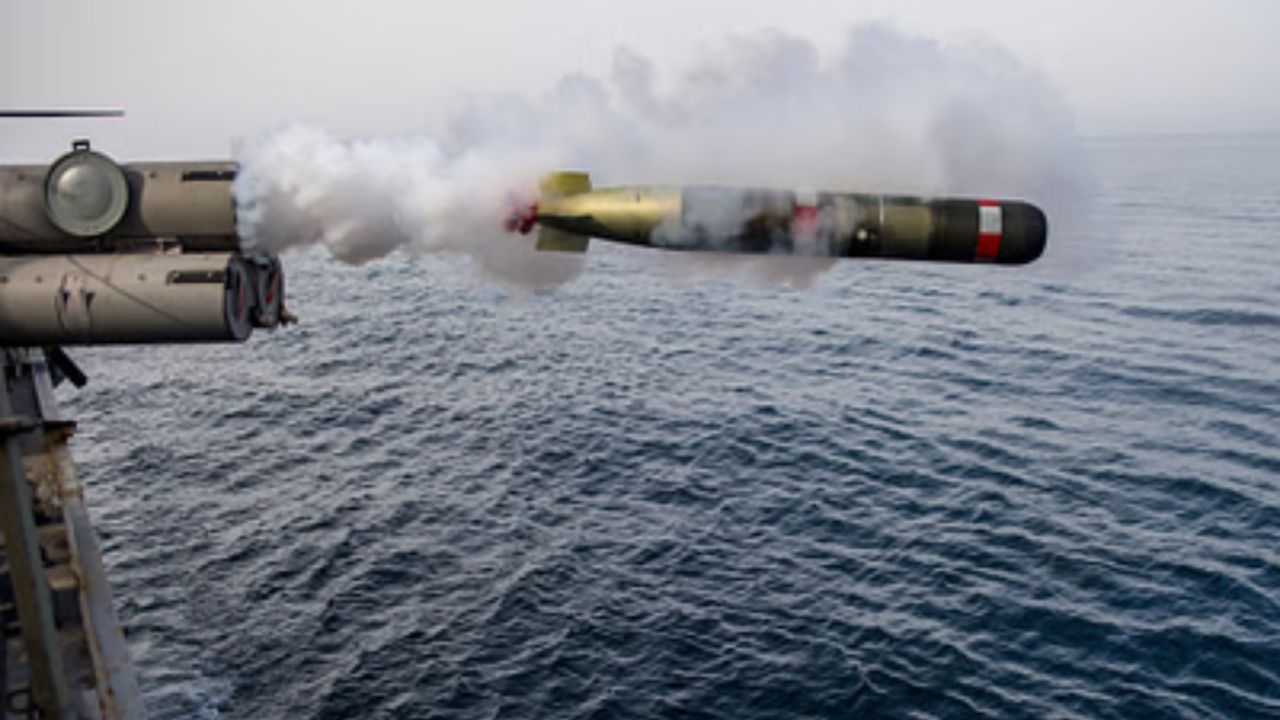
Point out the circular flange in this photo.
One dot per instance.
(85, 193)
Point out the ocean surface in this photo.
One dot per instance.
(908, 491)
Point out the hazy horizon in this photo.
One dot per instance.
(195, 78)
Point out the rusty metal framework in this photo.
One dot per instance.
(64, 653)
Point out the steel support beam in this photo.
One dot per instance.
(26, 568)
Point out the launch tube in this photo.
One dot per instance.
(85, 202)
(125, 298)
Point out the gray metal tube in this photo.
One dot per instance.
(124, 298)
(190, 202)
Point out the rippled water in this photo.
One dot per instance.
(910, 491)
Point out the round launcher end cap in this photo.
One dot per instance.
(85, 192)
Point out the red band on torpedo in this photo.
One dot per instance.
(990, 230)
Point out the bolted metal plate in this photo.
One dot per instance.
(85, 193)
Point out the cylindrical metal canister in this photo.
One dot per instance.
(124, 298)
(83, 202)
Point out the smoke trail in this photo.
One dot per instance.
(889, 113)
(365, 199)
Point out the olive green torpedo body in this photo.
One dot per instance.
(736, 220)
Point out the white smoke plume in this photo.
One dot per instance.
(889, 113)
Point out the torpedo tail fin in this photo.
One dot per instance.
(566, 182)
(553, 240)
(557, 185)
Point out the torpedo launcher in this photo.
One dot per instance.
(93, 252)
(761, 221)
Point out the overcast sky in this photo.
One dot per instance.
(195, 75)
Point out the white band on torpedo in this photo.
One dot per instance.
(990, 220)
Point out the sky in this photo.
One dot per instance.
(196, 76)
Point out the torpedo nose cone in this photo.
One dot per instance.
(1026, 233)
